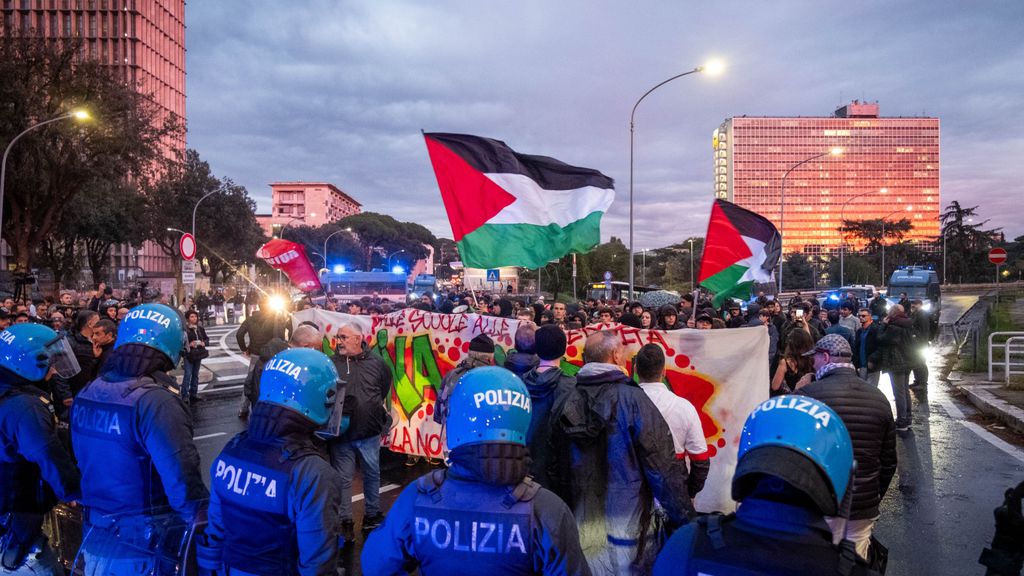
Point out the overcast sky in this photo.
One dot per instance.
(339, 91)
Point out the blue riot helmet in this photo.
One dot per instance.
(489, 404)
(302, 380)
(800, 441)
(30, 350)
(153, 325)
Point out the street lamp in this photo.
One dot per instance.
(76, 114)
(907, 209)
(643, 271)
(945, 279)
(782, 202)
(289, 223)
(331, 235)
(714, 68)
(196, 207)
(842, 234)
(392, 254)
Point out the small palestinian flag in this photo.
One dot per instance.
(512, 209)
(741, 248)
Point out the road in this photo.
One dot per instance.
(935, 519)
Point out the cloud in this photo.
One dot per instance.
(324, 90)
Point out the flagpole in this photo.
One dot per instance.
(632, 125)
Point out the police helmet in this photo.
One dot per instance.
(303, 380)
(30, 350)
(800, 441)
(489, 404)
(156, 326)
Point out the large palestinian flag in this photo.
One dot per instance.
(512, 209)
(740, 248)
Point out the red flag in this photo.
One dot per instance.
(291, 259)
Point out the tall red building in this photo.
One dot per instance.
(887, 168)
(144, 42)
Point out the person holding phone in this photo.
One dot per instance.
(196, 343)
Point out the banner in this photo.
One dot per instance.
(290, 258)
(723, 373)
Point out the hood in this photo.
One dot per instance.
(520, 363)
(542, 383)
(599, 373)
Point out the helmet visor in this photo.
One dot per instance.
(62, 357)
(334, 404)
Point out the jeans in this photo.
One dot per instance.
(857, 531)
(190, 384)
(870, 377)
(901, 393)
(343, 458)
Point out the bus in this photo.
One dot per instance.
(614, 291)
(347, 286)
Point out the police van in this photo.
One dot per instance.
(919, 283)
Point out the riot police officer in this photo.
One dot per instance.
(795, 465)
(132, 434)
(35, 468)
(275, 505)
(484, 514)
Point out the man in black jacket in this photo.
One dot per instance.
(866, 355)
(895, 342)
(367, 381)
(548, 387)
(922, 336)
(866, 413)
(261, 327)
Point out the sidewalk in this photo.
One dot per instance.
(993, 398)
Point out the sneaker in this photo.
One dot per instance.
(348, 531)
(372, 522)
(902, 428)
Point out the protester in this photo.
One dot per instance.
(879, 307)
(260, 327)
(636, 441)
(704, 321)
(481, 353)
(104, 334)
(196, 343)
(680, 415)
(548, 386)
(895, 343)
(866, 354)
(868, 418)
(794, 468)
(795, 370)
(367, 385)
(836, 326)
(524, 358)
(531, 530)
(735, 318)
(80, 337)
(846, 317)
(292, 529)
(922, 336)
(668, 318)
(648, 321)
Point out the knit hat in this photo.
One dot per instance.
(550, 342)
(834, 344)
(482, 343)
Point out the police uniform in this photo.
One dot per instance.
(132, 434)
(795, 465)
(275, 501)
(35, 468)
(482, 515)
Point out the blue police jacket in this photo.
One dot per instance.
(458, 526)
(133, 441)
(275, 503)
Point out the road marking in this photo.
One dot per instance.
(232, 378)
(383, 489)
(223, 343)
(205, 436)
(985, 435)
(222, 389)
(222, 360)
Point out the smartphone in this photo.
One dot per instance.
(799, 312)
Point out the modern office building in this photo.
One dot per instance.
(307, 204)
(144, 42)
(887, 168)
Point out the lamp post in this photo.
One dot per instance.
(713, 67)
(907, 209)
(331, 235)
(392, 254)
(643, 271)
(782, 203)
(842, 234)
(76, 114)
(945, 279)
(289, 223)
(196, 207)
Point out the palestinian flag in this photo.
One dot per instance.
(512, 209)
(741, 248)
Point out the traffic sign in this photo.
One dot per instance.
(607, 275)
(188, 271)
(997, 255)
(493, 276)
(187, 246)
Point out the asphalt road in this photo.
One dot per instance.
(935, 519)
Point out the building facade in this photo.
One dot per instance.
(886, 168)
(143, 41)
(306, 204)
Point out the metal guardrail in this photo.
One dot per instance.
(1013, 344)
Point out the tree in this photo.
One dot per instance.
(966, 244)
(98, 222)
(857, 270)
(797, 271)
(342, 248)
(52, 165)
(380, 235)
(876, 231)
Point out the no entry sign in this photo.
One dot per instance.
(187, 246)
(997, 255)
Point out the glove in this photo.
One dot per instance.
(208, 557)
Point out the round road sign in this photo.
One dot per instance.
(187, 246)
(997, 255)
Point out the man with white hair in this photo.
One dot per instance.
(368, 385)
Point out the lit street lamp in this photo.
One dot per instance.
(76, 114)
(392, 254)
(907, 209)
(782, 203)
(714, 68)
(331, 235)
(842, 235)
